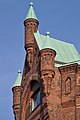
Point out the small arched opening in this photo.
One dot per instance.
(68, 85)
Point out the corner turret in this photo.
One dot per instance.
(47, 55)
(16, 96)
(31, 26)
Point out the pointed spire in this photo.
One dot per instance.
(31, 13)
(47, 42)
(18, 79)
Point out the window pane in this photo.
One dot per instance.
(37, 100)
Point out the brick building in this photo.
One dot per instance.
(49, 88)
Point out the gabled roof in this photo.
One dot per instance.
(66, 52)
(18, 79)
(31, 14)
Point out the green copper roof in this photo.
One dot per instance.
(47, 42)
(60, 65)
(18, 79)
(31, 13)
(66, 52)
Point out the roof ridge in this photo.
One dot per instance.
(58, 40)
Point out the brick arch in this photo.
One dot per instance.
(25, 98)
(33, 77)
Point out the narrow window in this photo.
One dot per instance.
(35, 100)
(68, 86)
(35, 87)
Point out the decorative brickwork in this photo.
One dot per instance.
(47, 92)
(16, 102)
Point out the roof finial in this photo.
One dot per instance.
(31, 4)
(19, 71)
(48, 34)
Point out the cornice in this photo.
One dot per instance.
(72, 68)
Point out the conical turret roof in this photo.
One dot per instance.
(47, 43)
(18, 79)
(31, 13)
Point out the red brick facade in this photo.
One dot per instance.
(59, 88)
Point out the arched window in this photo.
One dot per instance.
(68, 85)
